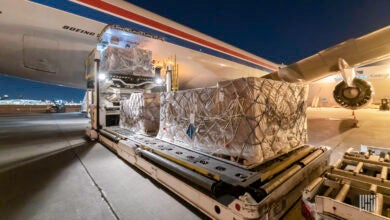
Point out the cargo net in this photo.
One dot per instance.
(141, 113)
(248, 120)
(130, 61)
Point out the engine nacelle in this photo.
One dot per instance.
(353, 97)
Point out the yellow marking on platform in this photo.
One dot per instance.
(184, 163)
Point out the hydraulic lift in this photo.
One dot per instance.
(217, 187)
(220, 188)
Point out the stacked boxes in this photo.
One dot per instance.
(250, 119)
(141, 113)
(131, 61)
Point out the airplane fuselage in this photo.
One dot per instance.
(48, 41)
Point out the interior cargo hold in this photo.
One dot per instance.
(249, 120)
(141, 113)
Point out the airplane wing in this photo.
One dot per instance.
(367, 49)
(352, 92)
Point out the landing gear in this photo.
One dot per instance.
(384, 105)
(355, 121)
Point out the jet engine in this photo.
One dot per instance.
(352, 92)
(353, 97)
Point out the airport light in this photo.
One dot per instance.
(102, 76)
(158, 81)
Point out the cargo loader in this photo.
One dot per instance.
(218, 188)
(355, 187)
(221, 186)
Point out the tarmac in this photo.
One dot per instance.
(48, 170)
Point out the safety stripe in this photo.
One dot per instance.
(155, 24)
(91, 12)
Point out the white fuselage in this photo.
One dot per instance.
(48, 41)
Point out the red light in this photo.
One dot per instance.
(227, 145)
(238, 207)
(306, 211)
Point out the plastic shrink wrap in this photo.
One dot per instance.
(249, 120)
(141, 113)
(131, 61)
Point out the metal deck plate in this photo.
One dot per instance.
(215, 168)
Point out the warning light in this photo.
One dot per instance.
(238, 207)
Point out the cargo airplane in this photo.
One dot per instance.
(48, 41)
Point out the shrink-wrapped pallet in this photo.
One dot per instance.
(250, 120)
(141, 113)
(181, 109)
(131, 61)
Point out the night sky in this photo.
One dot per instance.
(15, 87)
(281, 31)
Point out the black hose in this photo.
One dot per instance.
(109, 136)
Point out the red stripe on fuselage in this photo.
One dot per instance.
(141, 19)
